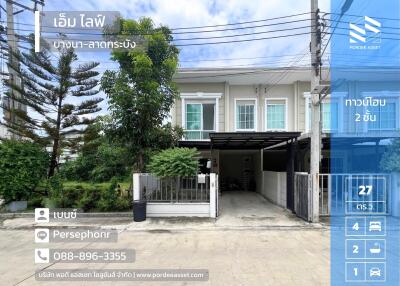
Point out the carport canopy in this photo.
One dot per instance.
(242, 140)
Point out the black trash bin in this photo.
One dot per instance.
(139, 210)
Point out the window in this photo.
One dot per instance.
(276, 114)
(200, 120)
(193, 116)
(329, 116)
(385, 117)
(245, 115)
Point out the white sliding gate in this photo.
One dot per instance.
(179, 196)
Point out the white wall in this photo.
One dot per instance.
(275, 187)
(4, 132)
(395, 196)
(178, 209)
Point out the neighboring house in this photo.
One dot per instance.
(254, 125)
(4, 134)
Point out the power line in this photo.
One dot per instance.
(241, 23)
(232, 59)
(179, 33)
(295, 62)
(198, 38)
(217, 59)
(244, 73)
(223, 42)
(241, 40)
(210, 43)
(207, 26)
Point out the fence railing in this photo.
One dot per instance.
(332, 189)
(197, 134)
(302, 196)
(178, 189)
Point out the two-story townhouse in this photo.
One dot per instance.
(253, 124)
(233, 116)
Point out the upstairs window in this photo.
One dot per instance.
(276, 113)
(245, 115)
(385, 116)
(200, 120)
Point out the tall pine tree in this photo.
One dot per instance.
(59, 94)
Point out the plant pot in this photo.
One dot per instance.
(17, 206)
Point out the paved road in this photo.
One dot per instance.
(233, 257)
(253, 242)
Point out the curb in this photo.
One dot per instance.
(81, 215)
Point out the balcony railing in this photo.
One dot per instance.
(197, 134)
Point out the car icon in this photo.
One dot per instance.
(375, 226)
(375, 271)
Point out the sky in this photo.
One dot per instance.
(284, 51)
(189, 13)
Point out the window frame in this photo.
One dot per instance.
(390, 100)
(201, 130)
(255, 114)
(330, 129)
(286, 113)
(338, 99)
(200, 98)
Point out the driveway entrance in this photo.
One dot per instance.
(252, 209)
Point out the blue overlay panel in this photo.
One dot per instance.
(365, 144)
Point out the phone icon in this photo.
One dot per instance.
(42, 255)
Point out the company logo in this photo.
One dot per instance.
(365, 33)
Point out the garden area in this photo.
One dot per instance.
(61, 153)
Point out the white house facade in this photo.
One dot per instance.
(254, 125)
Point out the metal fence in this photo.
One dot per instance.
(332, 190)
(179, 189)
(325, 192)
(302, 196)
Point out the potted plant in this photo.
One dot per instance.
(173, 164)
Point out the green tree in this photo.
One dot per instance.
(142, 92)
(175, 162)
(390, 161)
(59, 93)
(22, 166)
(99, 158)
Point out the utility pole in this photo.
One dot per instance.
(13, 67)
(315, 48)
(13, 62)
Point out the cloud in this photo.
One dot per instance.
(190, 13)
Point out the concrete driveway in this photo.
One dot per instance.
(252, 209)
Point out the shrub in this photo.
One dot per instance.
(56, 198)
(104, 163)
(390, 161)
(174, 162)
(89, 198)
(22, 166)
(110, 199)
